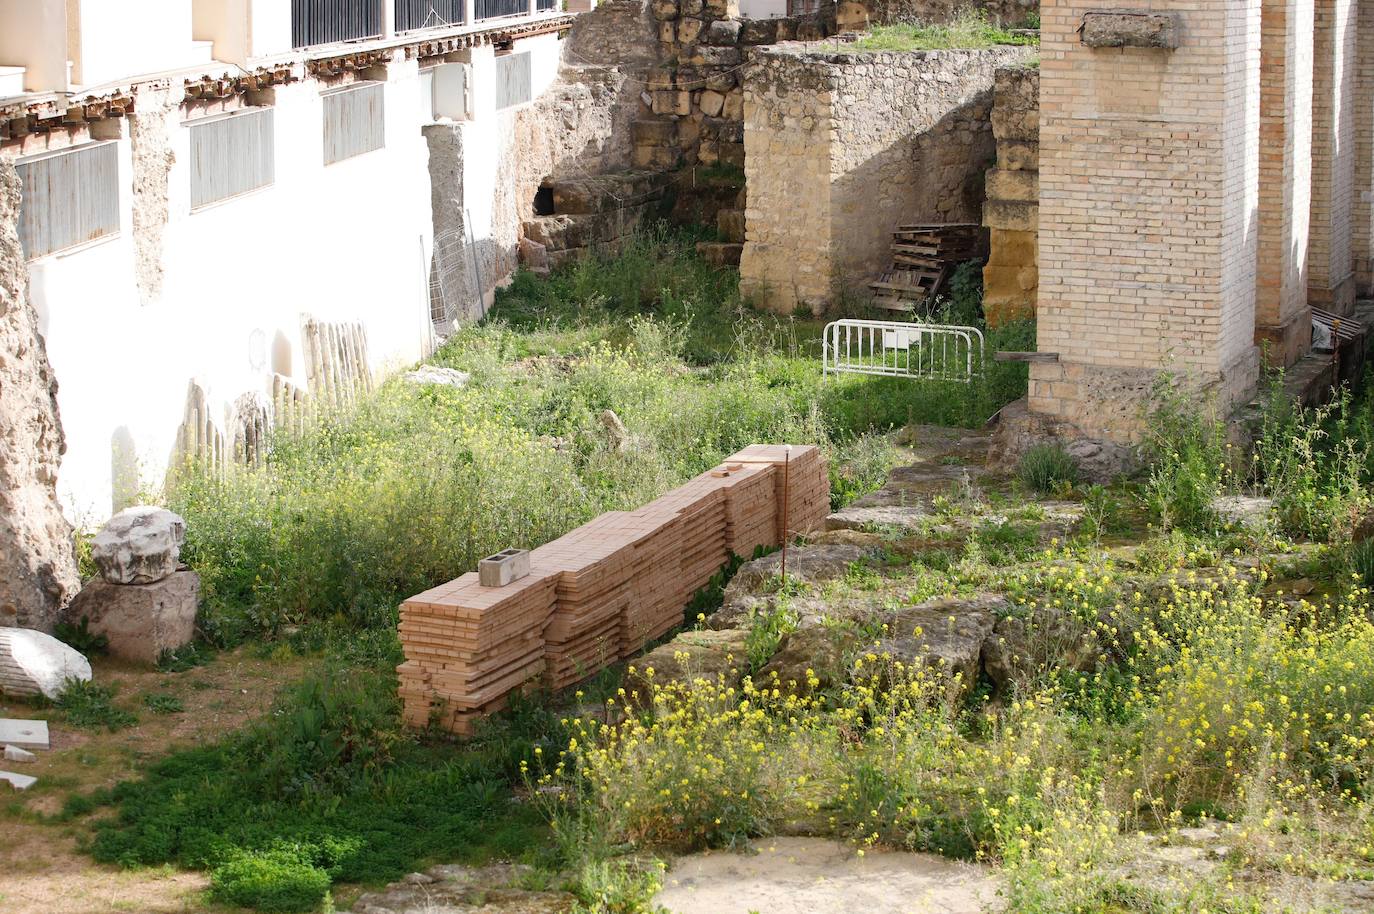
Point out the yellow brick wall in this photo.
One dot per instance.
(1149, 168)
(1282, 317)
(1331, 279)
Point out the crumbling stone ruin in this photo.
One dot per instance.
(37, 559)
(1011, 213)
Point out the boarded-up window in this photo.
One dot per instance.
(513, 82)
(69, 197)
(354, 121)
(328, 21)
(231, 154)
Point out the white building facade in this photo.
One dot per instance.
(228, 200)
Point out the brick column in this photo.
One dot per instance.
(1283, 322)
(1149, 191)
(1364, 152)
(1331, 260)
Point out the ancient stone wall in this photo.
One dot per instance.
(840, 148)
(1149, 164)
(1011, 212)
(37, 560)
(1363, 227)
(1008, 13)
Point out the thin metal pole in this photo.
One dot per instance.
(786, 503)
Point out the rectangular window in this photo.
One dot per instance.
(68, 197)
(514, 85)
(231, 154)
(354, 121)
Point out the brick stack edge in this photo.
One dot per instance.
(600, 593)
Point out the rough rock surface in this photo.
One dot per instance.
(33, 663)
(691, 655)
(822, 650)
(807, 875)
(141, 620)
(139, 545)
(808, 564)
(1017, 430)
(1122, 29)
(1244, 511)
(947, 633)
(438, 375)
(1020, 646)
(454, 889)
(37, 556)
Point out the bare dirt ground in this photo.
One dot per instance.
(807, 875)
(42, 870)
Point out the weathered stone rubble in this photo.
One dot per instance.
(33, 663)
(452, 889)
(139, 545)
(37, 557)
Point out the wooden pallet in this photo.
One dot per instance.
(923, 258)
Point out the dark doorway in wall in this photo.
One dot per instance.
(543, 201)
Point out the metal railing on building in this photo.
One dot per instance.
(546, 6)
(328, 21)
(412, 15)
(495, 9)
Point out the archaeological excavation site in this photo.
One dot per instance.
(686, 456)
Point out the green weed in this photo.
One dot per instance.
(90, 706)
(1046, 467)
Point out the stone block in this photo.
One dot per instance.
(15, 754)
(1016, 156)
(851, 16)
(653, 133)
(139, 545)
(667, 35)
(730, 225)
(17, 781)
(734, 106)
(722, 80)
(664, 10)
(689, 30)
(682, 103)
(688, 132)
(722, 9)
(758, 31)
(692, 7)
(503, 568)
(711, 103)
(665, 102)
(141, 620)
(1021, 186)
(1129, 29)
(33, 663)
(1008, 214)
(24, 734)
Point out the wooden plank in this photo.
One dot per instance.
(1025, 357)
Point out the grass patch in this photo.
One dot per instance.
(1047, 467)
(970, 29)
(90, 706)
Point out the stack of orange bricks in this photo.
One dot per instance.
(603, 591)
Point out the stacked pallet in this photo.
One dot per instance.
(594, 592)
(923, 258)
(601, 592)
(806, 480)
(474, 645)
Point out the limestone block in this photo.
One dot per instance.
(659, 78)
(653, 133)
(1008, 214)
(731, 154)
(722, 80)
(730, 224)
(33, 664)
(711, 103)
(734, 106)
(667, 35)
(851, 16)
(141, 620)
(689, 30)
(15, 754)
(1014, 156)
(720, 253)
(1129, 29)
(1014, 185)
(710, 56)
(692, 7)
(665, 102)
(723, 9)
(664, 10)
(688, 132)
(682, 103)
(759, 31)
(139, 545)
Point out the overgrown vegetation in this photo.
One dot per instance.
(410, 489)
(970, 29)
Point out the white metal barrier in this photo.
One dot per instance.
(938, 352)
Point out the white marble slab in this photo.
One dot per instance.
(26, 734)
(18, 781)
